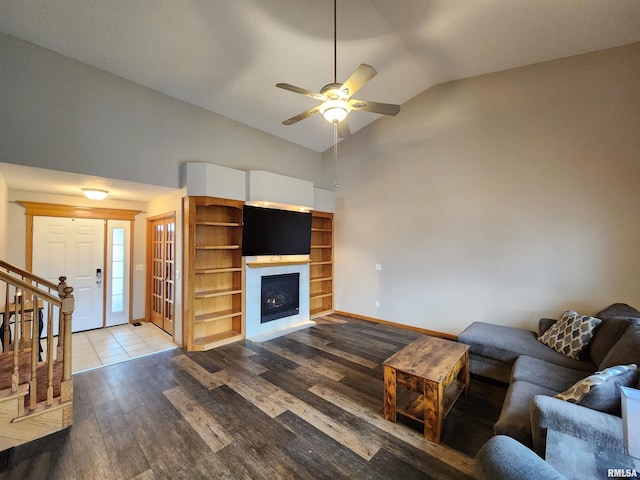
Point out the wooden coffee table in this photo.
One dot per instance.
(431, 373)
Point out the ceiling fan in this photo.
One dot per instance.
(337, 98)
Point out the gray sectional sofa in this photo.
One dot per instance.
(536, 373)
(503, 458)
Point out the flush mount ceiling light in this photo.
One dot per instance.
(95, 193)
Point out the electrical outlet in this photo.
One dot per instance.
(377, 303)
(378, 266)
(139, 267)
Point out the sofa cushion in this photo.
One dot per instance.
(625, 351)
(571, 334)
(601, 391)
(503, 458)
(545, 374)
(490, 367)
(508, 343)
(589, 425)
(514, 419)
(544, 324)
(620, 311)
(615, 320)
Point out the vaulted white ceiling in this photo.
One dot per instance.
(227, 55)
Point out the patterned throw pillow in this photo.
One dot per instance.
(571, 334)
(601, 391)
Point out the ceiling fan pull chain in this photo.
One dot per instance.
(335, 154)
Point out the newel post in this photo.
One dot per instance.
(66, 311)
(61, 332)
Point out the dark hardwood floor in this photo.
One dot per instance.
(307, 405)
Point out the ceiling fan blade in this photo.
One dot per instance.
(356, 81)
(343, 129)
(302, 91)
(374, 107)
(302, 116)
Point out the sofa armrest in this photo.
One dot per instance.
(581, 422)
(503, 458)
(544, 324)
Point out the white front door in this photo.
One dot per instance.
(73, 247)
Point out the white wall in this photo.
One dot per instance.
(500, 198)
(61, 114)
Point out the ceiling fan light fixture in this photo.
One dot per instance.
(334, 111)
(94, 193)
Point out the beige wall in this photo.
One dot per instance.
(16, 242)
(61, 114)
(15, 245)
(3, 217)
(501, 198)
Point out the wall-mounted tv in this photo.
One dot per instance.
(269, 231)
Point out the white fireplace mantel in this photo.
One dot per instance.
(254, 271)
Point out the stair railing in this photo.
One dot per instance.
(28, 301)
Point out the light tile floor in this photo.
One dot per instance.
(106, 346)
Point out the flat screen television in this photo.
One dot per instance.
(269, 231)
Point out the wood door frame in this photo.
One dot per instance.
(148, 278)
(39, 209)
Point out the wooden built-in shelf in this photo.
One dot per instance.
(321, 266)
(218, 270)
(214, 316)
(276, 264)
(219, 224)
(321, 295)
(218, 293)
(217, 340)
(321, 279)
(213, 272)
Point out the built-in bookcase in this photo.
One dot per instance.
(213, 273)
(321, 266)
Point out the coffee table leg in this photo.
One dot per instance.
(433, 408)
(464, 372)
(389, 393)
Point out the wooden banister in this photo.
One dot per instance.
(30, 299)
(28, 287)
(27, 275)
(36, 390)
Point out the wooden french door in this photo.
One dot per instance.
(161, 236)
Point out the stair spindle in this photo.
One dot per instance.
(35, 350)
(15, 377)
(49, 354)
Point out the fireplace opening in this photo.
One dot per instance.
(280, 296)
